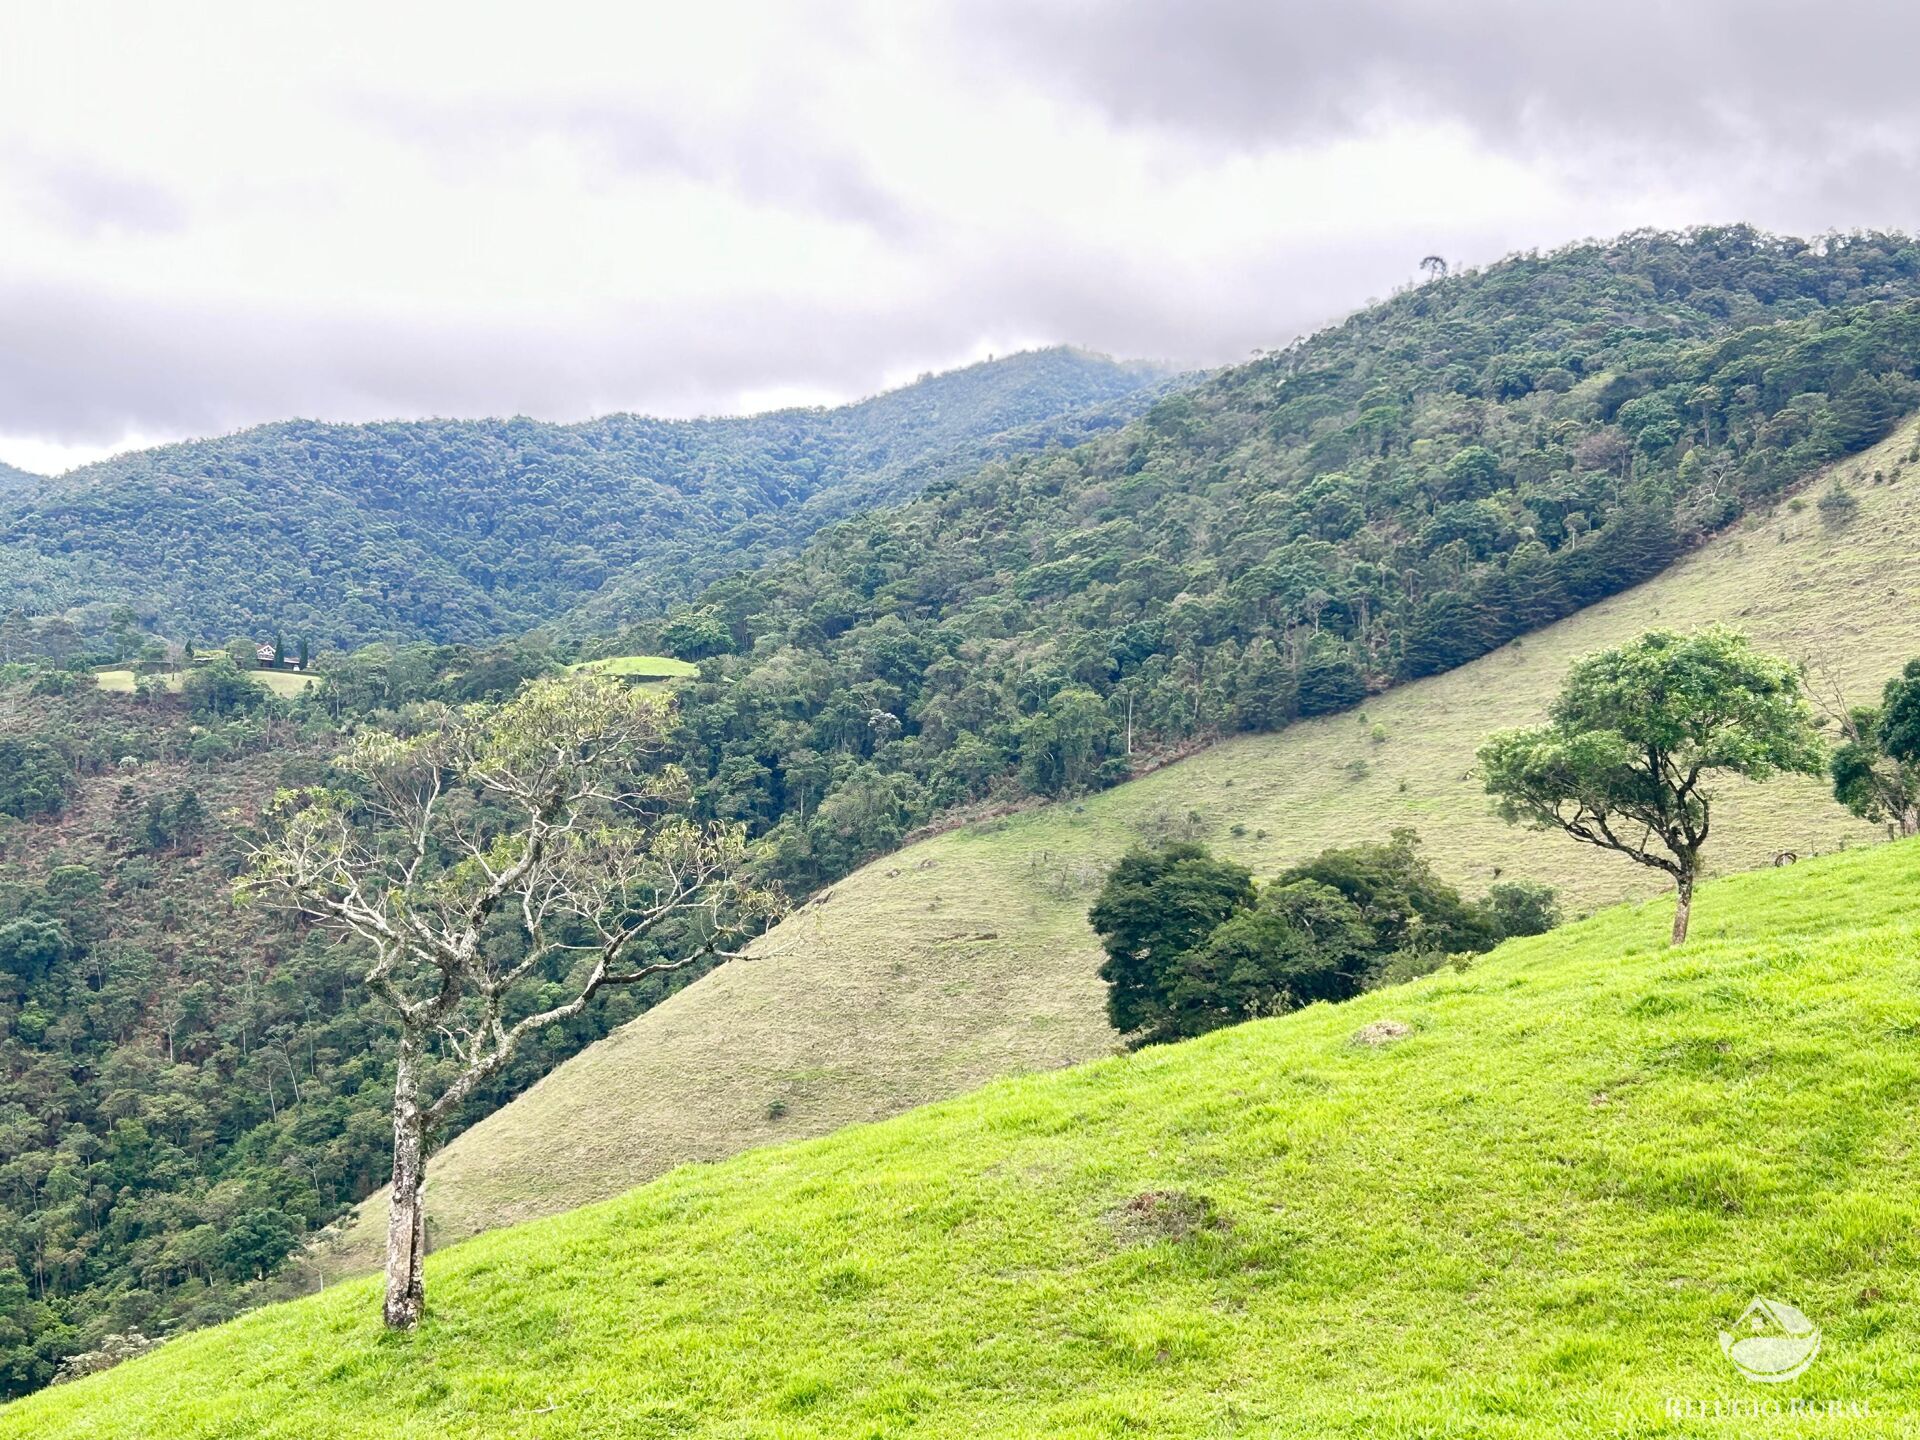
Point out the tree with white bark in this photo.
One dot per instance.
(493, 860)
(1638, 739)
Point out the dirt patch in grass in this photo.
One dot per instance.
(1165, 1215)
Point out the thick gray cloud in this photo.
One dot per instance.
(765, 157)
(1520, 72)
(1815, 102)
(78, 362)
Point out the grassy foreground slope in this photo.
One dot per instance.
(968, 956)
(1530, 1216)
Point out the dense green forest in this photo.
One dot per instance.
(1387, 499)
(13, 478)
(185, 1091)
(475, 529)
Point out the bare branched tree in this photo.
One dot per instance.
(480, 857)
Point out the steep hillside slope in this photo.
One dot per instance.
(471, 529)
(1530, 1216)
(1385, 500)
(968, 955)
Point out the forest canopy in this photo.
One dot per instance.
(476, 529)
(1395, 496)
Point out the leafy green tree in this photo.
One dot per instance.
(1153, 909)
(1637, 738)
(1330, 680)
(1302, 942)
(696, 635)
(1868, 778)
(30, 1336)
(33, 778)
(30, 946)
(1899, 726)
(1063, 747)
(1470, 474)
(255, 1244)
(220, 688)
(1404, 904)
(1521, 907)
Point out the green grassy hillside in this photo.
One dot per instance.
(641, 668)
(283, 683)
(968, 956)
(1531, 1215)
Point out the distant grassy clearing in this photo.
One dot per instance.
(1530, 1217)
(284, 682)
(281, 682)
(641, 667)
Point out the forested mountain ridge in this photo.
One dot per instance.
(1473, 459)
(12, 477)
(469, 530)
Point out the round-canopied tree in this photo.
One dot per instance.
(1153, 908)
(1303, 942)
(1876, 768)
(1899, 720)
(1637, 739)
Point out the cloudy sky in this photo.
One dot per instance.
(213, 215)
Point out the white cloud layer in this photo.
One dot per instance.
(217, 214)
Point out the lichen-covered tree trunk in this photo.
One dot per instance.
(406, 1209)
(1682, 907)
(1910, 821)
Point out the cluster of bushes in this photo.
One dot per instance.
(33, 777)
(1627, 763)
(1192, 944)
